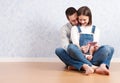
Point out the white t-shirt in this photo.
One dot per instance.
(75, 35)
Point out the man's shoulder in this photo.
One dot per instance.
(67, 26)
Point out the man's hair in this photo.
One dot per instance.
(70, 11)
(84, 10)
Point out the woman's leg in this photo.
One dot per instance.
(109, 57)
(102, 57)
(77, 54)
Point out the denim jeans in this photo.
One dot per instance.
(67, 59)
(102, 55)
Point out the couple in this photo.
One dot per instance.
(75, 36)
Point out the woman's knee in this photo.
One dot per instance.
(107, 49)
(71, 47)
(111, 48)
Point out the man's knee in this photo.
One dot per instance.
(71, 47)
(59, 51)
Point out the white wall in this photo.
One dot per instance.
(30, 28)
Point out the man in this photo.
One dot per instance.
(71, 14)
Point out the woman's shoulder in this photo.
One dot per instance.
(74, 28)
(94, 26)
(97, 30)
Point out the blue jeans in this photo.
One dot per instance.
(67, 59)
(102, 55)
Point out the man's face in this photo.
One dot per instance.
(73, 19)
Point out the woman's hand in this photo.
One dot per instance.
(85, 48)
(89, 57)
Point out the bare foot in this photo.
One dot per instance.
(102, 70)
(71, 68)
(94, 67)
(88, 69)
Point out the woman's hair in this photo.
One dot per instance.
(84, 10)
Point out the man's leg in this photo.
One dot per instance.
(63, 55)
(65, 58)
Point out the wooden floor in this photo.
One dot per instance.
(51, 72)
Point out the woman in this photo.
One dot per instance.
(82, 35)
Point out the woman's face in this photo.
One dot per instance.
(83, 20)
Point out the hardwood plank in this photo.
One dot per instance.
(51, 72)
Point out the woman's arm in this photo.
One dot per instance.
(96, 35)
(75, 36)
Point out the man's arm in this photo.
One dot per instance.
(65, 35)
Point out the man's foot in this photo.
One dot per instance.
(71, 68)
(88, 69)
(102, 70)
(94, 67)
